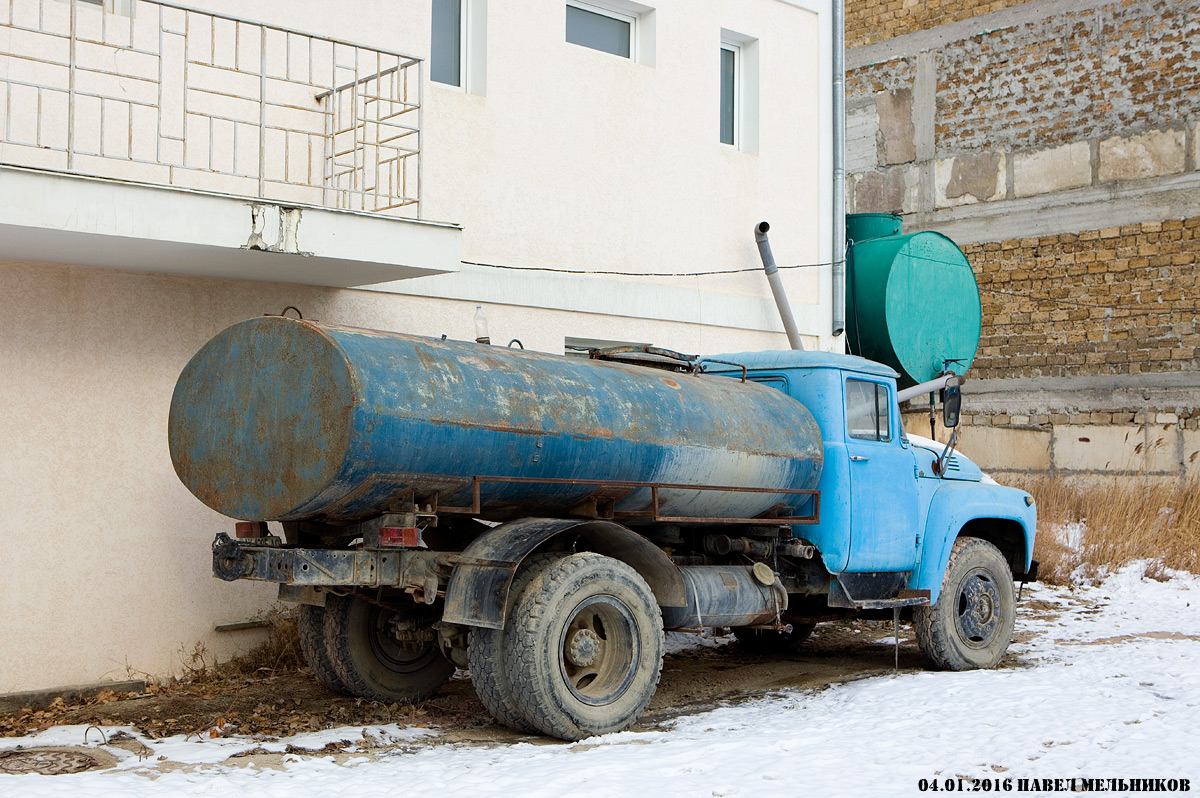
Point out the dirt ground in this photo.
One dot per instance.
(279, 702)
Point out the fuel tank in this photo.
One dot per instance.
(283, 419)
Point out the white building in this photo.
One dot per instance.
(168, 171)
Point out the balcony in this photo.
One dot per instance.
(143, 135)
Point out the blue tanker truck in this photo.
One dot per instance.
(541, 520)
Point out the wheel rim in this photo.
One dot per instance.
(978, 615)
(598, 650)
(392, 653)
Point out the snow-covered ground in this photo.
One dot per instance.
(1108, 687)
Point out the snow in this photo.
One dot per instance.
(1106, 686)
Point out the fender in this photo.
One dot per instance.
(952, 507)
(477, 594)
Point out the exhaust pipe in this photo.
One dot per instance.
(781, 302)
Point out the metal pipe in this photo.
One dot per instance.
(925, 387)
(839, 167)
(781, 302)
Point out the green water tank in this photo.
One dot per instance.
(911, 300)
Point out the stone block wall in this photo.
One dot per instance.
(874, 20)
(1087, 96)
(1119, 300)
(1056, 141)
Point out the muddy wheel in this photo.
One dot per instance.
(383, 654)
(764, 641)
(310, 629)
(485, 653)
(972, 622)
(584, 648)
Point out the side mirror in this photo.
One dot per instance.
(951, 402)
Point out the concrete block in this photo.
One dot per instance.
(967, 179)
(897, 135)
(862, 137)
(1054, 169)
(1099, 448)
(1191, 453)
(1156, 152)
(998, 449)
(891, 191)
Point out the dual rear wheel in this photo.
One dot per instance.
(579, 654)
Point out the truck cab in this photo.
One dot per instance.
(892, 507)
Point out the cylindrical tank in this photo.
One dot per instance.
(281, 419)
(861, 226)
(912, 301)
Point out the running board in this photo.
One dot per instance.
(874, 591)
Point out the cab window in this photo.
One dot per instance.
(867, 415)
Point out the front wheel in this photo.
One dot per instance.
(972, 622)
(384, 654)
(584, 649)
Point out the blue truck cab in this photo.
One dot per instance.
(893, 514)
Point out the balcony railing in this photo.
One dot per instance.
(155, 93)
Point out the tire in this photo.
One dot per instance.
(972, 622)
(310, 629)
(369, 659)
(485, 653)
(584, 647)
(764, 641)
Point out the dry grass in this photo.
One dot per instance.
(279, 653)
(1117, 523)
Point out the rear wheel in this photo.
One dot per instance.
(485, 652)
(310, 625)
(584, 649)
(765, 641)
(384, 654)
(972, 622)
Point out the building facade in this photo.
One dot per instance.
(167, 170)
(1056, 142)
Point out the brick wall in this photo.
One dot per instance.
(1110, 301)
(872, 20)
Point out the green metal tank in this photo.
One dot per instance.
(911, 300)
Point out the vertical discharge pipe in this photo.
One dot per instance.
(781, 302)
(838, 22)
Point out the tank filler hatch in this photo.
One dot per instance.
(656, 357)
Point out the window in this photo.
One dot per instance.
(729, 92)
(458, 44)
(867, 416)
(620, 27)
(600, 29)
(446, 47)
(739, 91)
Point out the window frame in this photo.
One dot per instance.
(736, 49)
(462, 50)
(630, 19)
(882, 402)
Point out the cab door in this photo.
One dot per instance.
(883, 491)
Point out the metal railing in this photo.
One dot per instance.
(152, 92)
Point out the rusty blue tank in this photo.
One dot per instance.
(282, 419)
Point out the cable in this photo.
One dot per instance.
(636, 274)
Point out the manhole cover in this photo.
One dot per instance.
(47, 763)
